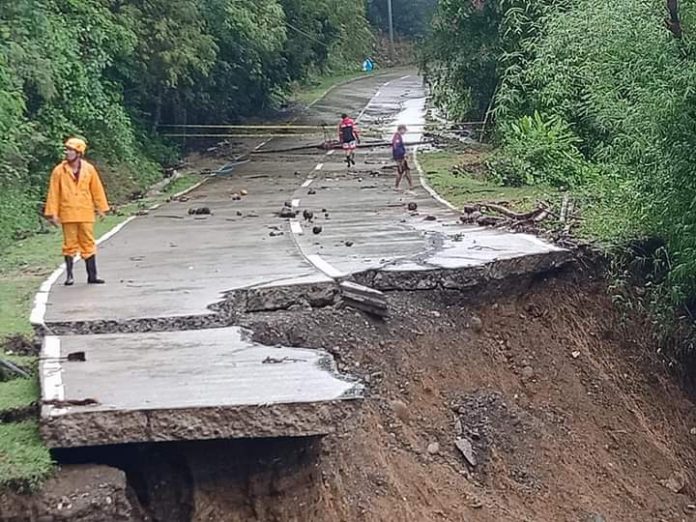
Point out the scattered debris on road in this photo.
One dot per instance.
(72, 402)
(199, 211)
(77, 357)
(287, 212)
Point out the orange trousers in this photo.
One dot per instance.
(79, 237)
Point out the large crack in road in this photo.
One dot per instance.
(159, 341)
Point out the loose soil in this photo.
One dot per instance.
(567, 410)
(570, 414)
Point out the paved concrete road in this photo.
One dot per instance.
(183, 385)
(173, 266)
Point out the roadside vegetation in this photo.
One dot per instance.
(117, 73)
(24, 461)
(596, 99)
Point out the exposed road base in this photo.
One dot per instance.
(465, 277)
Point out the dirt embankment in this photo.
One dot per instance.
(552, 394)
(568, 414)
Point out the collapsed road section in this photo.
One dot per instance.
(187, 385)
(154, 355)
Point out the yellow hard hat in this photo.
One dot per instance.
(77, 144)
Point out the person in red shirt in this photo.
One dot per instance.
(348, 137)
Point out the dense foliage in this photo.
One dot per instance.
(114, 70)
(596, 95)
(411, 18)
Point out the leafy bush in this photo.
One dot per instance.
(114, 71)
(539, 150)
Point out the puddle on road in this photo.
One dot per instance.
(412, 115)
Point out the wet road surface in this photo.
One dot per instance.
(169, 264)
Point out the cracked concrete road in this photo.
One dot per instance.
(169, 265)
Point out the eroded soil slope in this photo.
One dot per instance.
(568, 414)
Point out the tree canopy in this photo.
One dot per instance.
(114, 70)
(411, 17)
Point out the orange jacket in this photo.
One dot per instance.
(75, 202)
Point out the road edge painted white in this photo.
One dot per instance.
(51, 374)
(323, 266)
(424, 183)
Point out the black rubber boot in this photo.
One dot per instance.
(91, 264)
(69, 279)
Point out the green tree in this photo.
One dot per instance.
(411, 18)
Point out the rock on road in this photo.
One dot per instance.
(169, 267)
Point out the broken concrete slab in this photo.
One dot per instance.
(364, 298)
(187, 385)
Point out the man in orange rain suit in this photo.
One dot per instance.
(75, 194)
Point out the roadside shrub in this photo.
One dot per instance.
(539, 150)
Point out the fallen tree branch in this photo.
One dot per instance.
(511, 214)
(10, 366)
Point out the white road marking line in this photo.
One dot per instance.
(295, 203)
(51, 371)
(308, 183)
(262, 144)
(331, 152)
(362, 112)
(325, 267)
(46, 285)
(319, 166)
(296, 228)
(38, 312)
(114, 230)
(404, 77)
